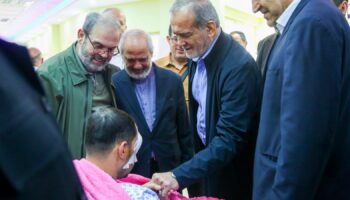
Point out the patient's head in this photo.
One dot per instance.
(112, 140)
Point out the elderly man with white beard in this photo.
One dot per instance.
(78, 80)
(154, 97)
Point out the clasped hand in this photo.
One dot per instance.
(164, 183)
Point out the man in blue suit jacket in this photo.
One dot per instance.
(303, 146)
(224, 92)
(154, 97)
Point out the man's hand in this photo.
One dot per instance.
(167, 181)
(153, 186)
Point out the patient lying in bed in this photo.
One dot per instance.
(111, 143)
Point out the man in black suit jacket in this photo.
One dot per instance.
(34, 160)
(224, 94)
(154, 97)
(264, 48)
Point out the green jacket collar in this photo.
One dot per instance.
(76, 68)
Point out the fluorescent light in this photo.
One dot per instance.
(37, 21)
(28, 3)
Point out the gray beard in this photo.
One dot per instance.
(139, 76)
(86, 60)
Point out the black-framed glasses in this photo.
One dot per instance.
(101, 50)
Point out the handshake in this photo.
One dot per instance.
(164, 183)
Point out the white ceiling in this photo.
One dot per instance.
(10, 11)
(18, 17)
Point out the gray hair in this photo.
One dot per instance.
(93, 19)
(135, 33)
(203, 11)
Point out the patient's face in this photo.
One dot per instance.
(124, 172)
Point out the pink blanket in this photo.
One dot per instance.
(98, 184)
(140, 180)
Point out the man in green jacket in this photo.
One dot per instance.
(78, 80)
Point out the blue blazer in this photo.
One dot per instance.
(303, 147)
(232, 110)
(170, 139)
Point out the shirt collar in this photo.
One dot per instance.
(284, 18)
(208, 50)
(171, 63)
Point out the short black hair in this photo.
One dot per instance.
(107, 127)
(338, 2)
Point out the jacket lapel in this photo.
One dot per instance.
(268, 51)
(297, 10)
(127, 87)
(77, 74)
(160, 94)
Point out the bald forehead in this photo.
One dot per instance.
(34, 51)
(136, 42)
(117, 13)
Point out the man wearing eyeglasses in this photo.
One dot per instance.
(176, 61)
(78, 80)
(154, 97)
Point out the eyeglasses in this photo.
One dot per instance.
(101, 50)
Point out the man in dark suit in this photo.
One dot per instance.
(303, 146)
(265, 45)
(264, 49)
(34, 160)
(224, 94)
(154, 97)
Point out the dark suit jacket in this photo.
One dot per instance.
(303, 148)
(232, 109)
(264, 49)
(34, 160)
(170, 139)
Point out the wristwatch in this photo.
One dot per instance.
(173, 175)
